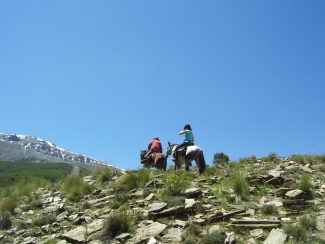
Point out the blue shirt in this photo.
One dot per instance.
(188, 136)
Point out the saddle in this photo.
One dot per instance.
(182, 150)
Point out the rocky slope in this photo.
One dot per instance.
(211, 205)
(22, 148)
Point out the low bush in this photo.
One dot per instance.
(44, 220)
(175, 183)
(75, 187)
(305, 185)
(132, 180)
(220, 158)
(9, 204)
(174, 201)
(103, 173)
(271, 157)
(239, 183)
(269, 209)
(302, 231)
(215, 237)
(5, 220)
(116, 223)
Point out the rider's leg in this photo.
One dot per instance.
(176, 150)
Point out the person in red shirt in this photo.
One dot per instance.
(154, 146)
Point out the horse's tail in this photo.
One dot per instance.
(201, 162)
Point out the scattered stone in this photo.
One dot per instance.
(95, 226)
(193, 192)
(189, 204)
(156, 207)
(76, 235)
(145, 233)
(294, 194)
(257, 233)
(277, 236)
(173, 236)
(150, 197)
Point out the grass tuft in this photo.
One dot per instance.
(302, 231)
(76, 187)
(269, 209)
(117, 223)
(215, 237)
(5, 220)
(239, 183)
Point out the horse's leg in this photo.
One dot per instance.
(165, 163)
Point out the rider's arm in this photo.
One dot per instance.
(182, 132)
(193, 139)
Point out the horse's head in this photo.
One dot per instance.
(170, 148)
(142, 153)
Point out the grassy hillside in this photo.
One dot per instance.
(12, 173)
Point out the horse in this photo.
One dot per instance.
(158, 160)
(192, 153)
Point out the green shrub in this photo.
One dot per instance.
(9, 204)
(37, 204)
(44, 220)
(189, 239)
(271, 157)
(269, 209)
(103, 173)
(194, 229)
(175, 183)
(215, 237)
(117, 223)
(220, 158)
(302, 231)
(321, 168)
(173, 201)
(114, 204)
(5, 220)
(239, 183)
(76, 187)
(305, 185)
(211, 171)
(132, 180)
(303, 159)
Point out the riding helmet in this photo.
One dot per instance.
(187, 127)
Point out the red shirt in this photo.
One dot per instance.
(155, 145)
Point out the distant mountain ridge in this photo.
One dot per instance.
(22, 148)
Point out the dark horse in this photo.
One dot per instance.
(158, 160)
(192, 153)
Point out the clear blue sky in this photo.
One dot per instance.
(102, 78)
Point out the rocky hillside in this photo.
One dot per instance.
(22, 148)
(252, 201)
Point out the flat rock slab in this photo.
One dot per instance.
(76, 235)
(295, 194)
(144, 233)
(193, 192)
(95, 226)
(174, 235)
(156, 207)
(276, 236)
(189, 204)
(256, 233)
(170, 211)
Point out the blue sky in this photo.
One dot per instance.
(102, 78)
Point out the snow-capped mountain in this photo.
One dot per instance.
(21, 148)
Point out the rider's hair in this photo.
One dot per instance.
(187, 127)
(156, 138)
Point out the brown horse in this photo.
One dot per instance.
(158, 160)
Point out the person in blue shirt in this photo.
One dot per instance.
(188, 141)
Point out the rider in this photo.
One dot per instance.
(154, 146)
(188, 141)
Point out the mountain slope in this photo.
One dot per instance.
(22, 148)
